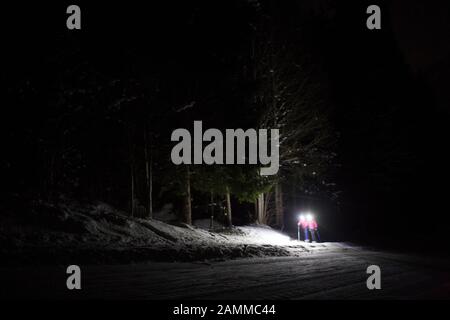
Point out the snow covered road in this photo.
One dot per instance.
(337, 271)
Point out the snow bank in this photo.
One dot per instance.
(98, 233)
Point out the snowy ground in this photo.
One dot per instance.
(98, 234)
(336, 271)
(126, 258)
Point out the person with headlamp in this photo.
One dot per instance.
(313, 228)
(303, 225)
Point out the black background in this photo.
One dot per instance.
(389, 89)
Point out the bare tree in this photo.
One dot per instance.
(291, 98)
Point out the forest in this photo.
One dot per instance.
(88, 114)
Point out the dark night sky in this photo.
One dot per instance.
(422, 29)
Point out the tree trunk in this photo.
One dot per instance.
(132, 169)
(187, 211)
(266, 207)
(51, 177)
(211, 223)
(133, 200)
(260, 205)
(149, 173)
(228, 213)
(256, 210)
(263, 204)
(279, 215)
(294, 196)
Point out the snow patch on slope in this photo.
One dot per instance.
(98, 232)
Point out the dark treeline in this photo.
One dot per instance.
(88, 114)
